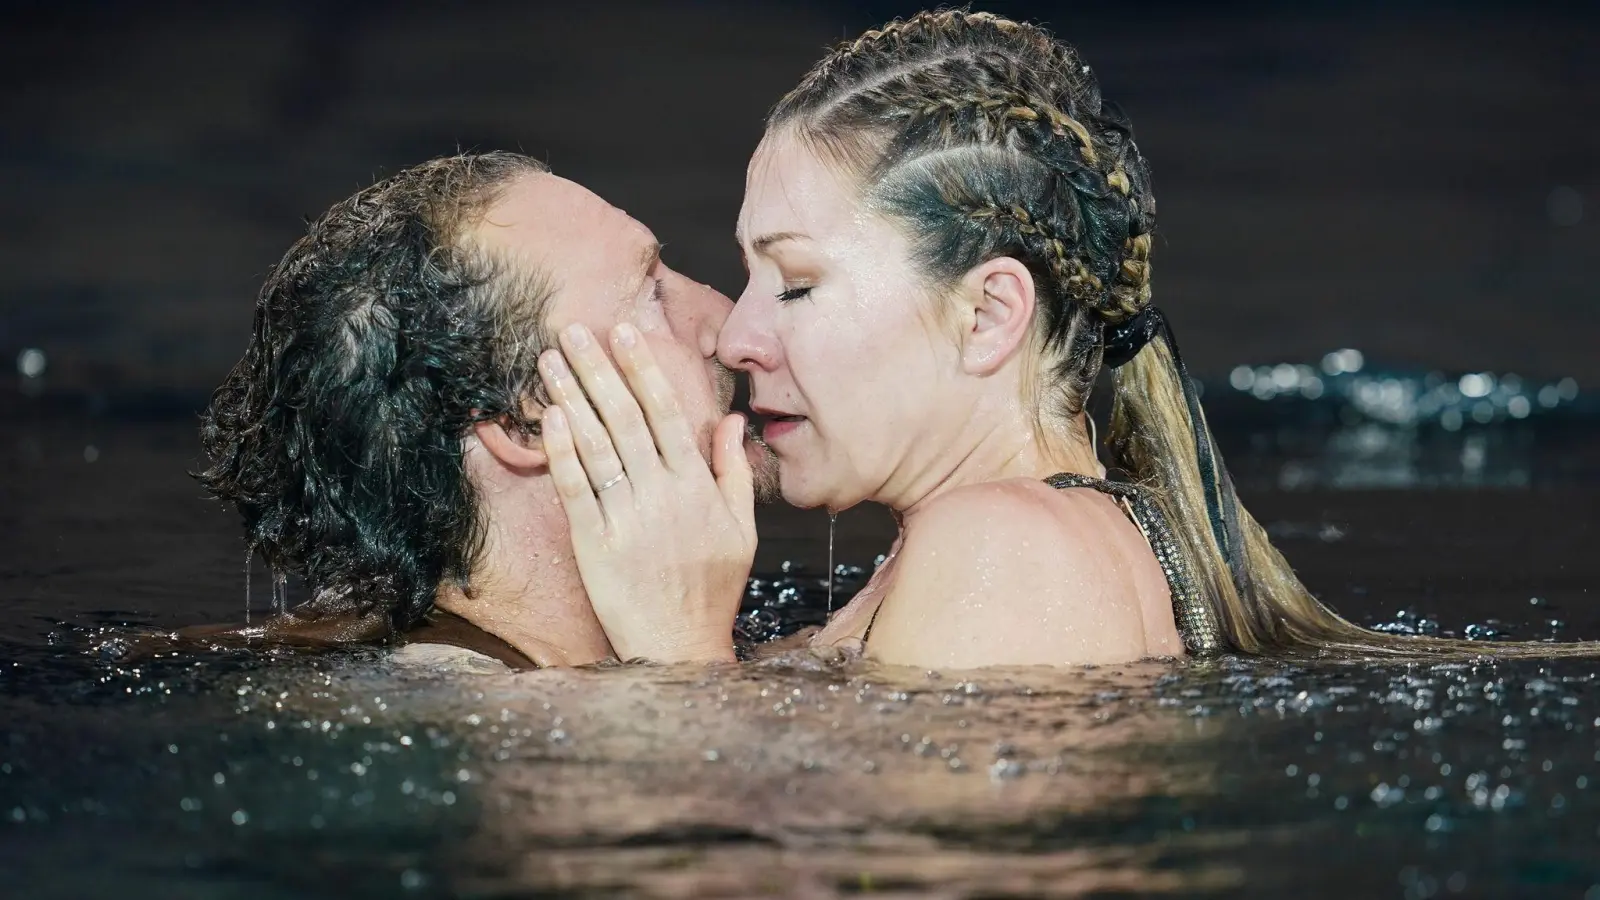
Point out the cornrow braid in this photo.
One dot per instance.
(1090, 267)
(998, 107)
(1081, 285)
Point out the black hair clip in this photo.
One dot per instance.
(1124, 340)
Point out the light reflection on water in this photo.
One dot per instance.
(306, 776)
(803, 777)
(1347, 425)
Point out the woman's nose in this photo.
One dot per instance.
(747, 340)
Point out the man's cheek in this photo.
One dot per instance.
(651, 319)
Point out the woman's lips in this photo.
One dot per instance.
(778, 426)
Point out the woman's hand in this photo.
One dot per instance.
(664, 542)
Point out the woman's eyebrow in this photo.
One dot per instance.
(762, 243)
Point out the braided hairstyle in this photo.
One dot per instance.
(987, 138)
(984, 137)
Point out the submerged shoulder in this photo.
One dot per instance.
(444, 659)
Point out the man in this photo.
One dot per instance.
(380, 435)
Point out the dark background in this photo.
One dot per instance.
(1418, 180)
(1399, 177)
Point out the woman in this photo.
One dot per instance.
(948, 236)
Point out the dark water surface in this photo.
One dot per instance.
(337, 776)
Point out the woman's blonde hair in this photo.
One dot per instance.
(984, 137)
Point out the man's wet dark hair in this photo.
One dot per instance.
(379, 340)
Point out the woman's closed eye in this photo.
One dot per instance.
(793, 294)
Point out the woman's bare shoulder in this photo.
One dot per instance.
(1007, 573)
(1023, 512)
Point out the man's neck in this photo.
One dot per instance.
(526, 590)
(546, 637)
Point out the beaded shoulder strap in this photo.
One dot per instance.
(1196, 620)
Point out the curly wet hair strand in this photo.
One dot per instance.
(379, 339)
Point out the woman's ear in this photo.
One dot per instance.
(997, 314)
(514, 448)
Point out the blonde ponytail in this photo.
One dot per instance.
(1268, 611)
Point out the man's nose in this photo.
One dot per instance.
(747, 342)
(716, 306)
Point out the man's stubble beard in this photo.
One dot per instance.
(764, 468)
(764, 464)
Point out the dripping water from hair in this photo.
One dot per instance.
(833, 527)
(280, 593)
(249, 551)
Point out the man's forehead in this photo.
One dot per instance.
(592, 252)
(544, 212)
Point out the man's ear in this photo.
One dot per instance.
(997, 302)
(511, 446)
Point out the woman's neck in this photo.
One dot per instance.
(1017, 446)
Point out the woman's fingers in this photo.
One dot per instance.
(572, 482)
(731, 467)
(617, 407)
(588, 434)
(674, 439)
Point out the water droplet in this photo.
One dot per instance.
(1343, 362)
(833, 530)
(1476, 384)
(31, 363)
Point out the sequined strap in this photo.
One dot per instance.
(1196, 620)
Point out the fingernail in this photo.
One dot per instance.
(578, 336)
(627, 335)
(554, 419)
(555, 364)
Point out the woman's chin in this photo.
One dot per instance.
(797, 496)
(798, 491)
(805, 494)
